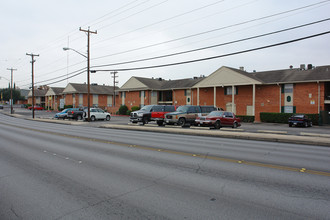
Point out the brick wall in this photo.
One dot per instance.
(179, 98)
(267, 99)
(305, 97)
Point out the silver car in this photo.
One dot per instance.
(97, 114)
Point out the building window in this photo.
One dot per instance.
(288, 88)
(187, 92)
(228, 90)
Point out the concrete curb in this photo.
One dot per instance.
(320, 141)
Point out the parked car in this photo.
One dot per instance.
(36, 107)
(300, 120)
(97, 114)
(1, 106)
(75, 113)
(143, 115)
(159, 111)
(186, 115)
(64, 114)
(218, 119)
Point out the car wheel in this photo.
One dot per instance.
(108, 118)
(182, 122)
(79, 117)
(144, 121)
(217, 125)
(93, 118)
(290, 124)
(235, 125)
(160, 123)
(305, 124)
(310, 124)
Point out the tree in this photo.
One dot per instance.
(6, 95)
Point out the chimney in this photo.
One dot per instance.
(291, 67)
(241, 68)
(302, 67)
(309, 66)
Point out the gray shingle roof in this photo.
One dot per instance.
(321, 73)
(161, 84)
(94, 89)
(57, 90)
(38, 92)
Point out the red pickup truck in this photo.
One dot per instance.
(159, 111)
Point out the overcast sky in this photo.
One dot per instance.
(131, 30)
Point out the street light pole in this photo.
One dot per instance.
(88, 69)
(11, 90)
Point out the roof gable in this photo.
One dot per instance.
(226, 76)
(134, 83)
(69, 89)
(54, 91)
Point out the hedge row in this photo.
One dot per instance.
(283, 117)
(246, 118)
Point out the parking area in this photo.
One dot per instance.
(270, 128)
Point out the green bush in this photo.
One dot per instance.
(246, 118)
(135, 108)
(68, 106)
(128, 112)
(283, 117)
(123, 110)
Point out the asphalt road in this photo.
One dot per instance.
(54, 171)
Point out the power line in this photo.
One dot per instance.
(213, 30)
(158, 22)
(215, 57)
(213, 46)
(191, 61)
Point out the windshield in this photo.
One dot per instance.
(182, 109)
(216, 113)
(147, 108)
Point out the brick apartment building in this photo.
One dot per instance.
(39, 97)
(293, 90)
(100, 96)
(53, 97)
(139, 91)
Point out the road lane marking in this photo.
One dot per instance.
(62, 156)
(206, 156)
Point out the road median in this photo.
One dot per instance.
(320, 141)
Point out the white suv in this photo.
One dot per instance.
(97, 114)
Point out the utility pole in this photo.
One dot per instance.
(114, 86)
(32, 62)
(88, 72)
(11, 90)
